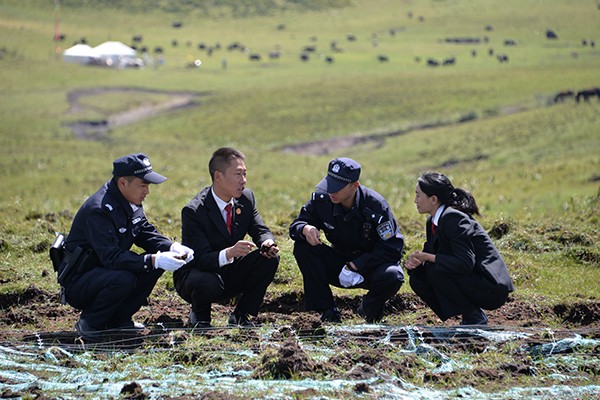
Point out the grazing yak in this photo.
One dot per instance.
(586, 94)
(235, 46)
(334, 47)
(449, 61)
(563, 96)
(432, 63)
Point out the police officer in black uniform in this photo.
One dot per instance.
(111, 282)
(366, 244)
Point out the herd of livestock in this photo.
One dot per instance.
(328, 52)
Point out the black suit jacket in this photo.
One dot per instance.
(204, 229)
(462, 246)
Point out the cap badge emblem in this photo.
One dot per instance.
(335, 168)
(146, 161)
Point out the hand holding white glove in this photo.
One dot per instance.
(350, 278)
(185, 252)
(169, 261)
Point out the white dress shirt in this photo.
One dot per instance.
(222, 204)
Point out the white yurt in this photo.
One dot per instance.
(116, 54)
(80, 54)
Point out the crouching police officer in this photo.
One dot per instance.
(366, 244)
(100, 275)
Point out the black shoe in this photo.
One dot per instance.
(197, 323)
(86, 331)
(238, 318)
(369, 320)
(475, 317)
(331, 315)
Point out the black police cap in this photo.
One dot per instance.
(341, 172)
(137, 165)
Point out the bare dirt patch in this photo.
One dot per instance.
(36, 309)
(283, 346)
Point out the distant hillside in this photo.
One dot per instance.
(212, 8)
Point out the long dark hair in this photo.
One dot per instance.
(435, 183)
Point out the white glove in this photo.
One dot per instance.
(350, 278)
(168, 261)
(183, 251)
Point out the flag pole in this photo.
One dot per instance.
(57, 27)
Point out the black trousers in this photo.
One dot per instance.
(320, 267)
(109, 297)
(247, 277)
(449, 295)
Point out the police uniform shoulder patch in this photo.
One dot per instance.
(385, 230)
(319, 196)
(372, 216)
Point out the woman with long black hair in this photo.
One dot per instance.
(459, 271)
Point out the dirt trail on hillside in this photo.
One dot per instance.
(99, 129)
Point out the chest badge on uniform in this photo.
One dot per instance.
(136, 220)
(385, 230)
(328, 226)
(122, 230)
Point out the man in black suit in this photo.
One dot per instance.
(214, 224)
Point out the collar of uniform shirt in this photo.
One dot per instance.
(338, 209)
(437, 215)
(220, 203)
(134, 207)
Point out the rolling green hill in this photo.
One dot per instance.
(493, 127)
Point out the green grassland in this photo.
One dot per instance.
(532, 165)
